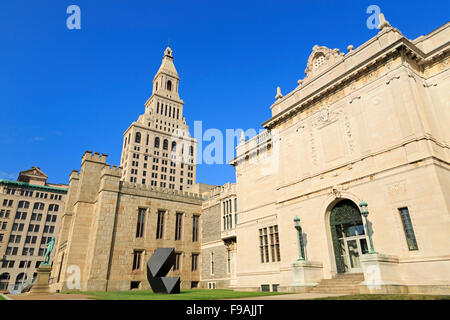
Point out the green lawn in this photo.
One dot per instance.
(1, 298)
(388, 297)
(195, 294)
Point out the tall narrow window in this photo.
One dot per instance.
(194, 262)
(229, 261)
(263, 245)
(169, 85)
(138, 137)
(409, 230)
(137, 257)
(212, 263)
(178, 225)
(140, 223)
(160, 225)
(177, 264)
(166, 144)
(157, 104)
(156, 142)
(195, 224)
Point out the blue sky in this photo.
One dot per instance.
(63, 91)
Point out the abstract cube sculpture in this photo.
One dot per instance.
(158, 266)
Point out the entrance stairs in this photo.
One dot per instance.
(341, 283)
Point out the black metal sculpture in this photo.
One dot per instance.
(158, 266)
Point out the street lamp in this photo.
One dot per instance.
(299, 233)
(365, 214)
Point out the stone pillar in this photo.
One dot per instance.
(41, 283)
(381, 274)
(306, 275)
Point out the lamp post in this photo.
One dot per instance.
(365, 214)
(299, 233)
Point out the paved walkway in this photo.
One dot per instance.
(55, 296)
(294, 296)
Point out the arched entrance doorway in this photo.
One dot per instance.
(348, 236)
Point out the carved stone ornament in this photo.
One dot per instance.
(321, 58)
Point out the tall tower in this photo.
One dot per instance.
(157, 148)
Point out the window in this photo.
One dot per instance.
(408, 228)
(134, 285)
(156, 142)
(265, 287)
(194, 265)
(229, 261)
(140, 223)
(264, 235)
(138, 137)
(169, 85)
(137, 259)
(178, 225)
(166, 144)
(174, 146)
(177, 264)
(160, 225)
(195, 225)
(211, 285)
(212, 263)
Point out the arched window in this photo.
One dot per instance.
(165, 145)
(138, 137)
(169, 85)
(174, 146)
(156, 142)
(4, 281)
(21, 277)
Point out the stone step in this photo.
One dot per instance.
(343, 291)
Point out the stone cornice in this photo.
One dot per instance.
(379, 58)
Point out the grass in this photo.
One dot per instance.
(195, 294)
(1, 298)
(388, 297)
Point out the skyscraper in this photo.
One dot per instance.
(157, 148)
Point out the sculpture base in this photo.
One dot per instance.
(306, 275)
(41, 283)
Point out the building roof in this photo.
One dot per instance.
(32, 186)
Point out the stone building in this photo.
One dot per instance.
(116, 218)
(366, 126)
(30, 214)
(218, 249)
(157, 148)
(110, 229)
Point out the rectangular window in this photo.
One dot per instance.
(212, 263)
(137, 256)
(140, 223)
(160, 225)
(194, 262)
(178, 225)
(408, 228)
(269, 239)
(195, 224)
(177, 264)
